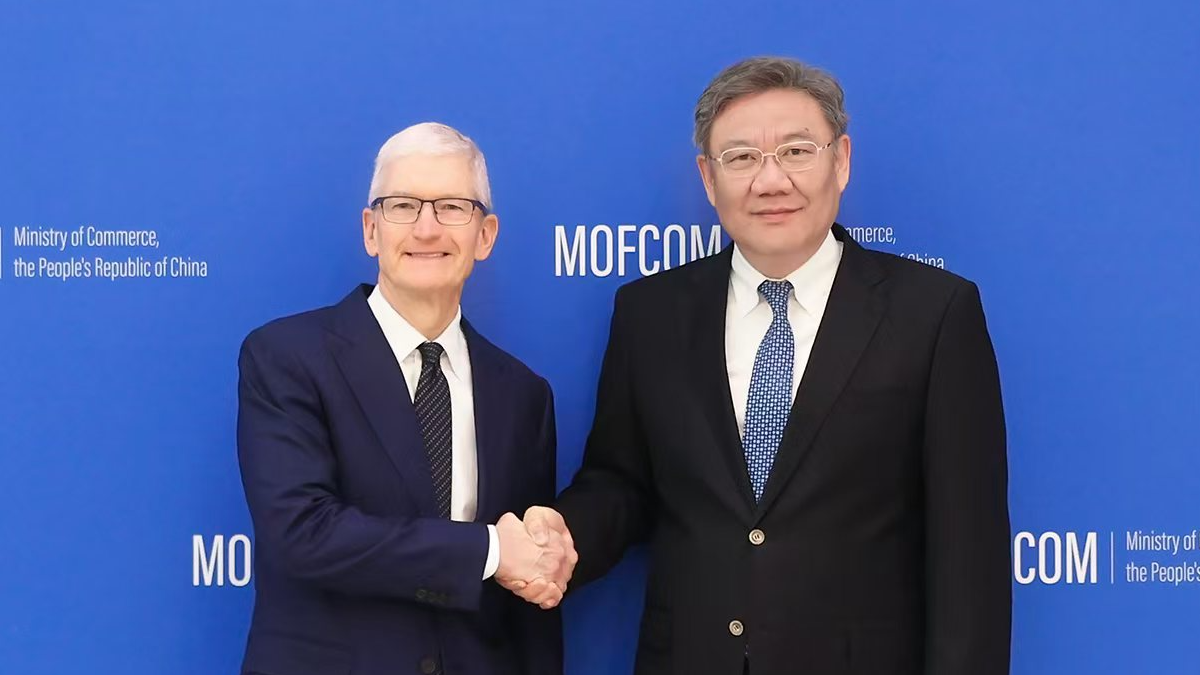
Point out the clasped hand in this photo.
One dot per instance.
(537, 556)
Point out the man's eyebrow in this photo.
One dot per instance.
(798, 135)
(802, 135)
(736, 143)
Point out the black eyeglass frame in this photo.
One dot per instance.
(432, 202)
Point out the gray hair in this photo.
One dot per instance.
(764, 73)
(432, 139)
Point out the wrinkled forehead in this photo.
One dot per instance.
(769, 118)
(428, 176)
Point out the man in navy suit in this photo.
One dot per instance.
(384, 445)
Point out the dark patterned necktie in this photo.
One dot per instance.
(432, 402)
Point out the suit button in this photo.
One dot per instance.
(428, 666)
(736, 628)
(757, 537)
(422, 595)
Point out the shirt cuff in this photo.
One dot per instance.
(493, 558)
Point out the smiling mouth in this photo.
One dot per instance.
(427, 256)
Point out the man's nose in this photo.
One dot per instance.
(771, 177)
(426, 225)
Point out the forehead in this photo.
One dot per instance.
(772, 116)
(428, 176)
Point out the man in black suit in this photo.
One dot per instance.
(808, 433)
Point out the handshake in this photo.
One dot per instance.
(537, 556)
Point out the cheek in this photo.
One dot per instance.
(827, 193)
(466, 242)
(814, 191)
(730, 197)
(729, 208)
(392, 243)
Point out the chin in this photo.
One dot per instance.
(418, 283)
(429, 285)
(787, 243)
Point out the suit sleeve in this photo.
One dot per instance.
(969, 590)
(301, 522)
(539, 632)
(610, 503)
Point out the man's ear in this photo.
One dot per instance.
(369, 233)
(487, 236)
(707, 176)
(843, 161)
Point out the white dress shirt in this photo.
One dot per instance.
(456, 366)
(748, 316)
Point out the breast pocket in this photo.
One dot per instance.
(886, 409)
(873, 436)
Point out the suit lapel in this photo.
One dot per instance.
(369, 366)
(493, 456)
(851, 317)
(706, 340)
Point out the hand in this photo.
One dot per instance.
(537, 557)
(548, 528)
(531, 570)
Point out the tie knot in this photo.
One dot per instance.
(776, 294)
(431, 352)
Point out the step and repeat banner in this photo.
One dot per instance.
(176, 174)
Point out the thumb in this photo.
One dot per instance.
(535, 524)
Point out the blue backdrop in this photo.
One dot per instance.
(1046, 149)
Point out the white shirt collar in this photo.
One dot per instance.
(405, 340)
(811, 282)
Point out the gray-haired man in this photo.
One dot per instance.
(384, 444)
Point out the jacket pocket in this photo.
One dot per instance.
(273, 654)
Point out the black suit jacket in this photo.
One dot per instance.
(881, 544)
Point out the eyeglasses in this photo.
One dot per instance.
(451, 211)
(792, 157)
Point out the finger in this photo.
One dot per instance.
(554, 601)
(561, 579)
(553, 566)
(551, 602)
(534, 590)
(553, 519)
(548, 588)
(513, 585)
(551, 596)
(563, 576)
(535, 524)
(568, 540)
(545, 519)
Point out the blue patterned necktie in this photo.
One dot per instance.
(770, 399)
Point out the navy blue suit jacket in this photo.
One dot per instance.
(355, 574)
